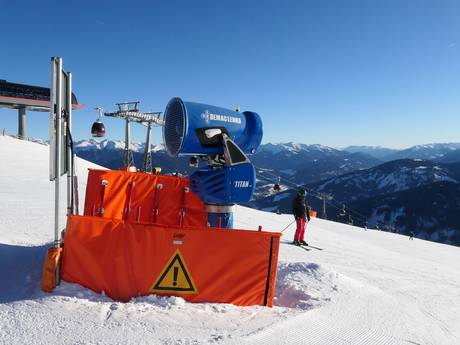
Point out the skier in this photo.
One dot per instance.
(350, 220)
(300, 210)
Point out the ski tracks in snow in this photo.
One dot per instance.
(358, 315)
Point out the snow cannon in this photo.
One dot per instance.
(222, 139)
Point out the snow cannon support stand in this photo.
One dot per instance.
(221, 138)
(61, 163)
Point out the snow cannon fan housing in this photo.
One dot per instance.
(196, 129)
(188, 125)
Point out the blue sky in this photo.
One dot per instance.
(332, 72)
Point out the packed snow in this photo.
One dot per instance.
(355, 286)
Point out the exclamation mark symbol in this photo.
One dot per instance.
(176, 271)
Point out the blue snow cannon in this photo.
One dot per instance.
(221, 138)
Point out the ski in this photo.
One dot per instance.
(303, 247)
(292, 244)
(317, 248)
(306, 247)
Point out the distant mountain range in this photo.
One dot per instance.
(390, 177)
(430, 211)
(110, 153)
(450, 157)
(415, 189)
(374, 151)
(417, 196)
(427, 151)
(111, 145)
(303, 164)
(363, 156)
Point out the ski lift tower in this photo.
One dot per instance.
(325, 197)
(130, 112)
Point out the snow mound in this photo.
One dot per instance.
(304, 285)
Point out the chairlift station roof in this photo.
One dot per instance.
(29, 97)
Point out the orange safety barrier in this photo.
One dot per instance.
(313, 213)
(50, 267)
(140, 197)
(200, 264)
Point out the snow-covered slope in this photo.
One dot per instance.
(26, 194)
(355, 287)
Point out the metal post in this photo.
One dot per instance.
(127, 161)
(324, 206)
(127, 135)
(324, 198)
(147, 153)
(57, 90)
(22, 123)
(70, 172)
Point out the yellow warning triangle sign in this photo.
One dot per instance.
(175, 277)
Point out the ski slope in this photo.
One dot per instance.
(364, 287)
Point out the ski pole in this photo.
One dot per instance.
(288, 225)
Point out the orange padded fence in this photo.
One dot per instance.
(140, 197)
(200, 264)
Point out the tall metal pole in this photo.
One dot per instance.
(127, 162)
(324, 198)
(127, 135)
(22, 123)
(70, 172)
(324, 207)
(147, 153)
(57, 95)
